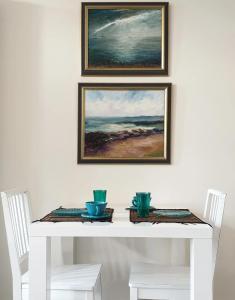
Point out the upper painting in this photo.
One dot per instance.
(125, 38)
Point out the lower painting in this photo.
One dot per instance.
(124, 123)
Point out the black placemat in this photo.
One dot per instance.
(54, 218)
(154, 218)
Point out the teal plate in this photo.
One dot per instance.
(172, 213)
(68, 212)
(104, 216)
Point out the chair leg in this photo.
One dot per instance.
(98, 289)
(17, 292)
(133, 294)
(90, 295)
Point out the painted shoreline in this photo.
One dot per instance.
(135, 143)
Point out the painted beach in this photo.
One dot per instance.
(125, 137)
(121, 124)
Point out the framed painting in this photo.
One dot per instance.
(124, 123)
(125, 38)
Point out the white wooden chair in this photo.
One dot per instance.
(70, 282)
(150, 281)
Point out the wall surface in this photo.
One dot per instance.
(39, 72)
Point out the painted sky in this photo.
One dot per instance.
(103, 103)
(125, 22)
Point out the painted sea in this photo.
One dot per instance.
(117, 124)
(124, 37)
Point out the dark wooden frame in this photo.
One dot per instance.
(165, 160)
(135, 71)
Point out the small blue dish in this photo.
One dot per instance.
(104, 216)
(95, 208)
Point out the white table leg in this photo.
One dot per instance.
(68, 247)
(39, 268)
(62, 251)
(201, 282)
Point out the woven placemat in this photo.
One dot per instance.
(54, 218)
(153, 218)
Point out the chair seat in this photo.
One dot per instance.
(71, 277)
(152, 276)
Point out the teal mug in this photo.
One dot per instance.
(143, 204)
(143, 207)
(100, 196)
(140, 195)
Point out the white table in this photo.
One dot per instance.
(200, 236)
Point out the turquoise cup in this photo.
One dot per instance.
(100, 196)
(140, 195)
(95, 209)
(143, 204)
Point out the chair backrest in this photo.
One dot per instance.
(17, 219)
(213, 214)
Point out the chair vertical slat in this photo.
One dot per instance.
(27, 214)
(26, 239)
(17, 218)
(9, 204)
(13, 221)
(206, 207)
(213, 208)
(22, 222)
(216, 209)
(26, 223)
(210, 208)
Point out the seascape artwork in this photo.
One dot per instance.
(124, 123)
(125, 37)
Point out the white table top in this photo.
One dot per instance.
(121, 227)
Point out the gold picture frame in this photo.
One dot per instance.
(124, 123)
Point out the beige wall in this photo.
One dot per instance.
(40, 68)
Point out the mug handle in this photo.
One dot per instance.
(134, 202)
